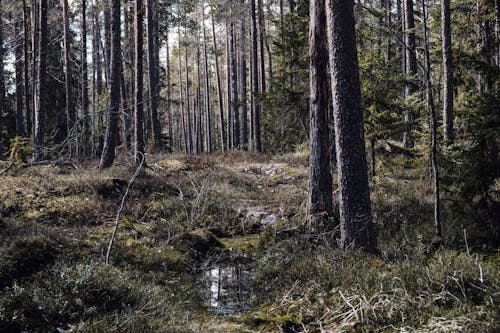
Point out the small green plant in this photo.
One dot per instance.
(20, 151)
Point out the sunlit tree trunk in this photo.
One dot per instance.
(219, 90)
(448, 71)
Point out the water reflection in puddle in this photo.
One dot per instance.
(228, 286)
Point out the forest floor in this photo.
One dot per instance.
(219, 244)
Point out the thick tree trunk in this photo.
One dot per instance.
(153, 74)
(411, 66)
(108, 153)
(107, 41)
(257, 145)
(320, 179)
(262, 62)
(448, 88)
(139, 145)
(354, 194)
(34, 48)
(42, 82)
(219, 90)
(243, 86)
(26, 59)
(430, 105)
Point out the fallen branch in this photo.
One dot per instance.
(122, 206)
(7, 169)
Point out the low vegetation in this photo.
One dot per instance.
(184, 213)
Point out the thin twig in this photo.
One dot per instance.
(122, 206)
(7, 169)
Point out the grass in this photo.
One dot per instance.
(184, 211)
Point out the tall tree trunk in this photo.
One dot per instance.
(208, 109)
(26, 59)
(430, 105)
(169, 91)
(108, 152)
(34, 48)
(411, 66)
(243, 85)
(354, 194)
(448, 71)
(181, 98)
(2, 87)
(153, 82)
(255, 81)
(84, 75)
(189, 128)
(139, 144)
(229, 88)
(235, 129)
(497, 32)
(262, 62)
(42, 82)
(219, 90)
(18, 54)
(198, 122)
(320, 179)
(107, 40)
(70, 111)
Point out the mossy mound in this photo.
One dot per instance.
(197, 243)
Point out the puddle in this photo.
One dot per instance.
(228, 285)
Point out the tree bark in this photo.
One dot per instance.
(208, 109)
(354, 194)
(70, 112)
(430, 105)
(235, 128)
(153, 82)
(320, 179)
(26, 62)
(2, 86)
(108, 153)
(257, 145)
(219, 90)
(18, 54)
(411, 66)
(169, 91)
(139, 144)
(84, 75)
(189, 128)
(243, 85)
(448, 88)
(42, 82)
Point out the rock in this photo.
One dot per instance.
(269, 220)
(269, 170)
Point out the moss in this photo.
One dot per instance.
(245, 244)
(197, 243)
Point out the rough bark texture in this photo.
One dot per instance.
(153, 81)
(42, 81)
(108, 152)
(447, 70)
(354, 195)
(257, 145)
(320, 179)
(169, 90)
(2, 87)
(411, 64)
(219, 90)
(138, 79)
(189, 129)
